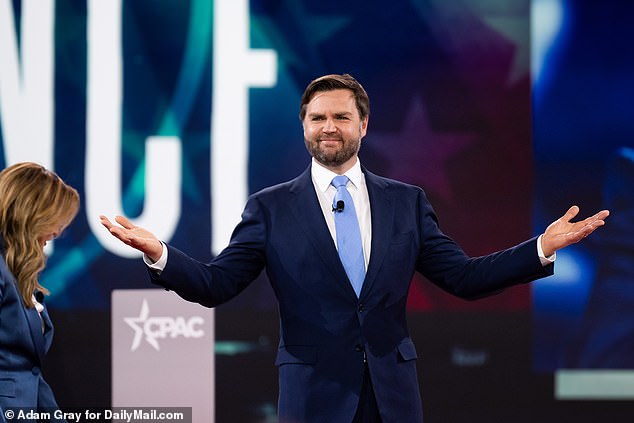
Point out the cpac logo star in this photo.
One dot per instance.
(155, 328)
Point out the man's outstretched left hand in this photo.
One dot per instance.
(562, 232)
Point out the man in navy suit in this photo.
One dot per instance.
(345, 356)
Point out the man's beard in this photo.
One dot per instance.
(333, 158)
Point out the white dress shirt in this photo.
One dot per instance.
(322, 179)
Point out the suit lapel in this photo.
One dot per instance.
(382, 211)
(311, 220)
(35, 327)
(48, 329)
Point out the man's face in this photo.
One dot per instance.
(333, 129)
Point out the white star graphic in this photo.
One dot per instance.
(136, 323)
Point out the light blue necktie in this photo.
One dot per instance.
(348, 234)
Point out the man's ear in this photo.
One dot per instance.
(363, 127)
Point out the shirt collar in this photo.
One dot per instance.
(323, 177)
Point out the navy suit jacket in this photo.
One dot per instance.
(24, 340)
(325, 329)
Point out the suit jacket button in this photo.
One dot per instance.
(361, 308)
(358, 348)
(35, 371)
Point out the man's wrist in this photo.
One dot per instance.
(159, 264)
(542, 256)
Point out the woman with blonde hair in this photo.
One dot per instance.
(36, 205)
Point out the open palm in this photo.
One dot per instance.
(562, 232)
(135, 236)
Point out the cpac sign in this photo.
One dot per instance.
(154, 328)
(27, 113)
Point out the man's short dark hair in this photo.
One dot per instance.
(336, 82)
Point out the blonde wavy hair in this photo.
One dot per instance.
(34, 202)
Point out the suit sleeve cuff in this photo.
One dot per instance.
(160, 264)
(540, 252)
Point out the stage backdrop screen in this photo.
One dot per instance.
(172, 112)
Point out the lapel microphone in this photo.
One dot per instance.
(339, 206)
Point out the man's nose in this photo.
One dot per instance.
(329, 126)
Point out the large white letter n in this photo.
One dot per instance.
(162, 205)
(26, 83)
